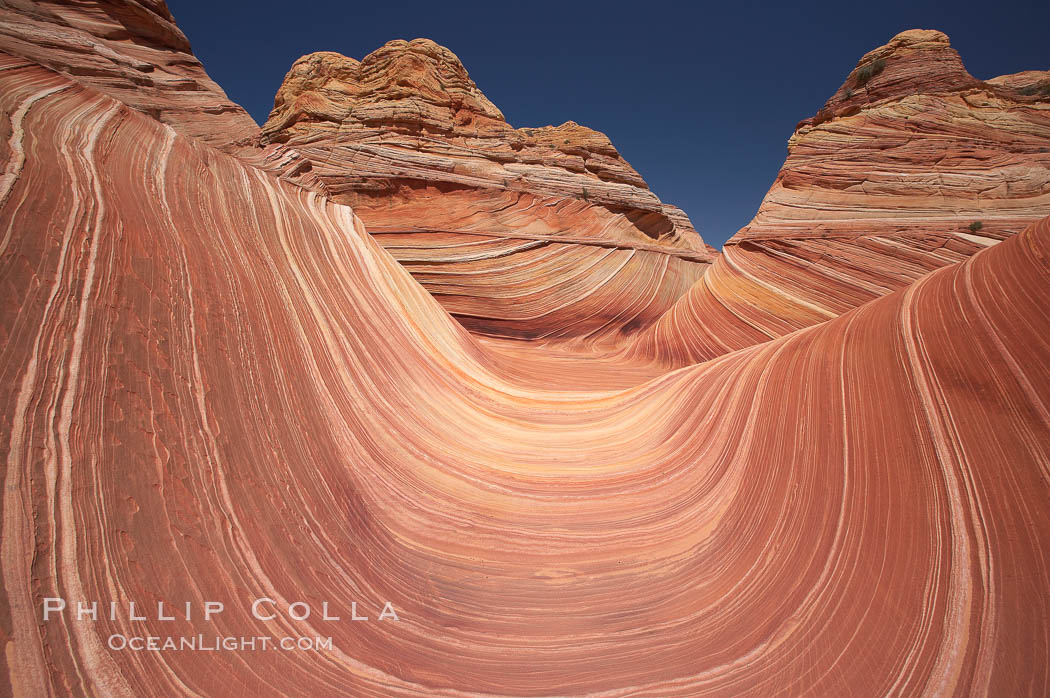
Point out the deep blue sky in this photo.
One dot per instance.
(700, 98)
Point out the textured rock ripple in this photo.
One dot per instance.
(217, 386)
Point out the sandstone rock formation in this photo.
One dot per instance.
(128, 49)
(219, 387)
(920, 147)
(912, 164)
(534, 232)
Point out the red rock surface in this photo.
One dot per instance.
(131, 50)
(879, 188)
(534, 232)
(217, 386)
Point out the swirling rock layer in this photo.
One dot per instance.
(131, 50)
(218, 387)
(532, 233)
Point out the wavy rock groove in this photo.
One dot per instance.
(218, 386)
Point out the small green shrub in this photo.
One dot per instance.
(975, 226)
(1033, 90)
(870, 70)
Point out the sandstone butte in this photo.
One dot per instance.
(218, 386)
(912, 164)
(534, 232)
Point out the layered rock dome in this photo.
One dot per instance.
(911, 165)
(530, 232)
(131, 50)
